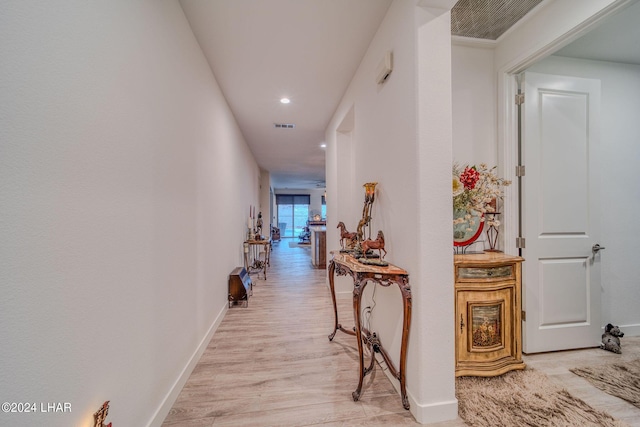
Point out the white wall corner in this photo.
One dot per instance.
(423, 413)
(432, 395)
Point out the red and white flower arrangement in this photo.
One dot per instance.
(475, 188)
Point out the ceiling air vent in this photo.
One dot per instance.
(488, 19)
(284, 125)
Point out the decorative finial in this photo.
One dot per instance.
(100, 416)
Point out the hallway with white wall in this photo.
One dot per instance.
(122, 173)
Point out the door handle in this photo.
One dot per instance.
(597, 248)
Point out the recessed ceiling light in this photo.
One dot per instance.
(323, 145)
(285, 100)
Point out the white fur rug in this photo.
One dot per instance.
(620, 379)
(524, 398)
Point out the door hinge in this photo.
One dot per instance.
(520, 241)
(519, 98)
(524, 316)
(520, 170)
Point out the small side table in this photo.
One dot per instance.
(488, 313)
(344, 264)
(252, 261)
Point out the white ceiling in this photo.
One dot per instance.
(308, 51)
(263, 50)
(616, 39)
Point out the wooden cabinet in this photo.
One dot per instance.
(240, 286)
(319, 247)
(488, 307)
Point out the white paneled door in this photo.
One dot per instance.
(560, 213)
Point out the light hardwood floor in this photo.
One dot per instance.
(271, 364)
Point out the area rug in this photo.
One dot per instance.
(524, 398)
(620, 379)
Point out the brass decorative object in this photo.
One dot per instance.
(100, 416)
(371, 258)
(359, 243)
(374, 244)
(349, 236)
(258, 229)
(369, 198)
(364, 223)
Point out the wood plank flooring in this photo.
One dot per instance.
(271, 364)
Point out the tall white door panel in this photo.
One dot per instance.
(560, 213)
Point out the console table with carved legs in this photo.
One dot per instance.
(252, 261)
(344, 264)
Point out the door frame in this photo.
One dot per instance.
(508, 124)
(508, 113)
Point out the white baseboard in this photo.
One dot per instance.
(423, 414)
(434, 412)
(344, 295)
(630, 330)
(176, 388)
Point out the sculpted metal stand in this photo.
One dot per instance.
(369, 198)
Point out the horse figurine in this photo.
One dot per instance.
(374, 244)
(344, 234)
